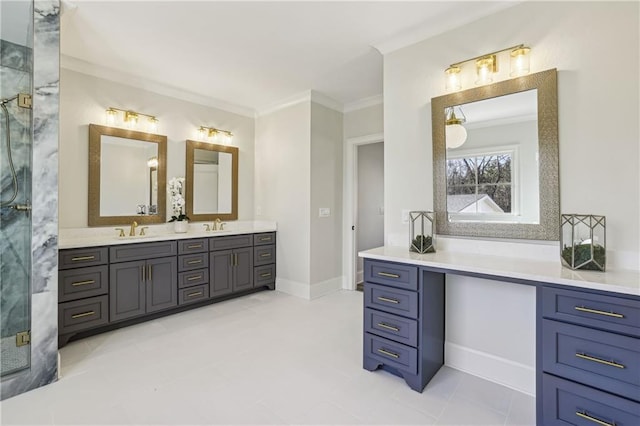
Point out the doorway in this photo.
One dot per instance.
(363, 203)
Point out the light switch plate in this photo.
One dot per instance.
(324, 212)
(405, 216)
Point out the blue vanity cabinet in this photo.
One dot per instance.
(403, 321)
(588, 358)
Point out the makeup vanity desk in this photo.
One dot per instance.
(587, 328)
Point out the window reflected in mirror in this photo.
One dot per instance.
(493, 175)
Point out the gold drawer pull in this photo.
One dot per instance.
(593, 419)
(198, 293)
(388, 327)
(388, 275)
(265, 239)
(194, 262)
(84, 314)
(195, 246)
(265, 255)
(78, 259)
(595, 311)
(265, 275)
(385, 299)
(391, 354)
(83, 283)
(598, 360)
(199, 277)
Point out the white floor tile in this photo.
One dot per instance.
(268, 358)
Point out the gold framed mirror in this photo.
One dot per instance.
(498, 177)
(127, 176)
(211, 181)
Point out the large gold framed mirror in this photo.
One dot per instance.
(127, 176)
(211, 181)
(495, 159)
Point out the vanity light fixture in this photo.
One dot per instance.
(487, 65)
(130, 119)
(211, 134)
(455, 133)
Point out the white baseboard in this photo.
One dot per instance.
(360, 277)
(325, 287)
(511, 374)
(293, 288)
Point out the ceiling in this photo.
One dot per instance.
(255, 55)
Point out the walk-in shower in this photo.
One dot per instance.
(16, 142)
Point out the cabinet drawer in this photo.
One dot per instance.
(187, 262)
(568, 403)
(393, 274)
(264, 238)
(230, 242)
(392, 300)
(83, 314)
(394, 354)
(263, 255)
(199, 245)
(193, 294)
(400, 329)
(75, 258)
(597, 358)
(142, 251)
(191, 278)
(83, 282)
(594, 310)
(264, 275)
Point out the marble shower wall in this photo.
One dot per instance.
(44, 215)
(15, 227)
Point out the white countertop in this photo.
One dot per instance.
(617, 281)
(108, 236)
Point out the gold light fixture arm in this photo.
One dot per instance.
(486, 55)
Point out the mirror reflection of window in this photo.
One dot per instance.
(125, 181)
(493, 176)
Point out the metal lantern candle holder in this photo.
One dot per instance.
(583, 241)
(423, 225)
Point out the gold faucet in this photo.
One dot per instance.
(142, 230)
(121, 234)
(132, 231)
(216, 225)
(207, 227)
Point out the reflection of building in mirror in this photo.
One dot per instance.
(212, 182)
(126, 180)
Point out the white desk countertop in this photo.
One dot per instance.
(108, 236)
(617, 281)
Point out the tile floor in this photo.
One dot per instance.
(268, 358)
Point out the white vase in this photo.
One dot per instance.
(181, 226)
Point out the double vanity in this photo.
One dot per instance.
(107, 281)
(587, 329)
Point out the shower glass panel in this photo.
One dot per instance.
(16, 141)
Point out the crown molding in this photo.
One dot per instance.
(306, 96)
(432, 29)
(84, 67)
(363, 103)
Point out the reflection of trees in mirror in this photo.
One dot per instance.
(471, 178)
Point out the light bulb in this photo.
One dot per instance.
(152, 125)
(110, 116)
(455, 135)
(452, 75)
(484, 68)
(520, 61)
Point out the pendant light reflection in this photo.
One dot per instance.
(455, 133)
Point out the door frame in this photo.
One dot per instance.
(350, 203)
